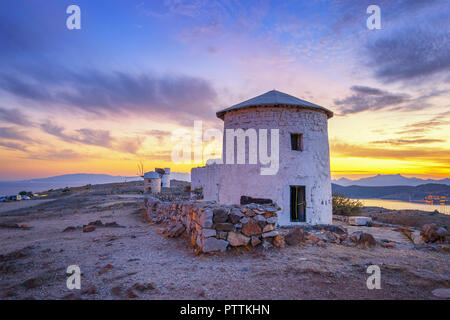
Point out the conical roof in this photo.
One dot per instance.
(275, 98)
(152, 175)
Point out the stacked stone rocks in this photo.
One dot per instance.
(212, 227)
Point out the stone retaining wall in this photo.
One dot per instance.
(213, 227)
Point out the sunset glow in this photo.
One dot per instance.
(103, 98)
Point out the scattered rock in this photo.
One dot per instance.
(359, 221)
(442, 232)
(117, 291)
(8, 225)
(88, 228)
(332, 237)
(130, 294)
(354, 237)
(32, 283)
(444, 247)
(202, 293)
(91, 290)
(295, 237)
(266, 245)
(313, 239)
(69, 228)
(387, 243)
(161, 230)
(22, 253)
(432, 233)
(255, 240)
(363, 238)
(349, 243)
(278, 241)
(325, 227)
(105, 269)
(113, 225)
(97, 223)
(143, 287)
(237, 239)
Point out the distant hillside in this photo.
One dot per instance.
(381, 180)
(181, 176)
(404, 193)
(72, 180)
(77, 178)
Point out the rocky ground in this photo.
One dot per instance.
(121, 256)
(410, 218)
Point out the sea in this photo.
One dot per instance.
(403, 205)
(13, 188)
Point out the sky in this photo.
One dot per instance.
(107, 96)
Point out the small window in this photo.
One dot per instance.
(297, 141)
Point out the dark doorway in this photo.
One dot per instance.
(298, 204)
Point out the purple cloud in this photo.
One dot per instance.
(113, 93)
(367, 98)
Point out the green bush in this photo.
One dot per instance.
(198, 192)
(345, 206)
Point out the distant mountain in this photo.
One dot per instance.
(404, 193)
(72, 180)
(381, 180)
(180, 176)
(78, 178)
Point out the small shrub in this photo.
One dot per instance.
(198, 192)
(345, 206)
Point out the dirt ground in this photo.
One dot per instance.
(15, 205)
(133, 261)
